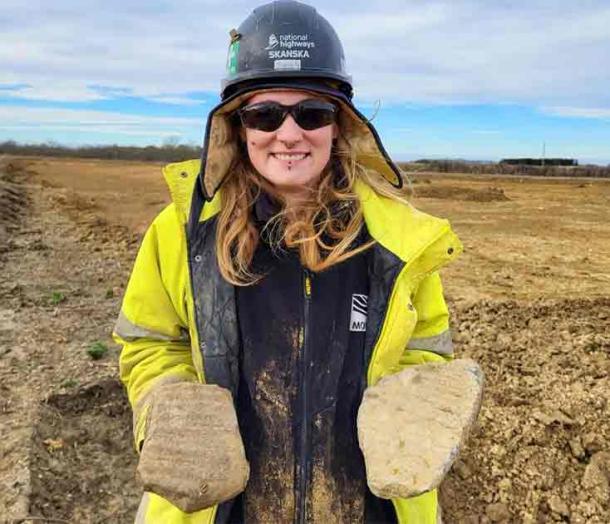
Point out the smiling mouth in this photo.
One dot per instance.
(290, 157)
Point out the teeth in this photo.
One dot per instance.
(290, 157)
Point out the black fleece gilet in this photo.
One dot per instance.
(301, 367)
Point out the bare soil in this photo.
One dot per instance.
(487, 194)
(81, 460)
(65, 425)
(544, 414)
(530, 299)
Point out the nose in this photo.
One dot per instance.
(289, 131)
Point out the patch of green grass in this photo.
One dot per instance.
(57, 297)
(97, 350)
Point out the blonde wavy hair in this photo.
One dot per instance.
(322, 227)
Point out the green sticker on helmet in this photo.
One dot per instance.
(232, 58)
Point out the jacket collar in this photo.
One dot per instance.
(401, 228)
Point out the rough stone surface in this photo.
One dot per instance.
(412, 424)
(497, 512)
(596, 478)
(193, 454)
(576, 448)
(558, 506)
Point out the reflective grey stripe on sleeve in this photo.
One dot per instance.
(129, 331)
(141, 515)
(441, 344)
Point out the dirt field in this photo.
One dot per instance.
(530, 299)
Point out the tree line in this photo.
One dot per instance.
(504, 168)
(164, 153)
(179, 152)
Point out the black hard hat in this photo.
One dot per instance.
(284, 40)
(308, 56)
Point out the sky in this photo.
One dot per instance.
(480, 80)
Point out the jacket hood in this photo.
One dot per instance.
(220, 148)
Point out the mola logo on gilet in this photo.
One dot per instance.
(357, 321)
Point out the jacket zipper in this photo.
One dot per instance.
(303, 466)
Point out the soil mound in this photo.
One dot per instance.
(544, 420)
(13, 202)
(86, 213)
(488, 194)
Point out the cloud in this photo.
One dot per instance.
(6, 88)
(56, 92)
(176, 100)
(484, 52)
(578, 112)
(538, 52)
(46, 120)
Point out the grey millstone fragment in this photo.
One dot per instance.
(412, 424)
(193, 454)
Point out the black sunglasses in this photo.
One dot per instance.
(268, 116)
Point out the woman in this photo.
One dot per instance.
(290, 270)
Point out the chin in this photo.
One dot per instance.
(291, 179)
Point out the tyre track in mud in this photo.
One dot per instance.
(14, 430)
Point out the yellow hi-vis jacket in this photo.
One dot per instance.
(161, 342)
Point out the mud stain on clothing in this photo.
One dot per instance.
(337, 488)
(269, 496)
(331, 504)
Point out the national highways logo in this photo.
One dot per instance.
(290, 45)
(273, 42)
